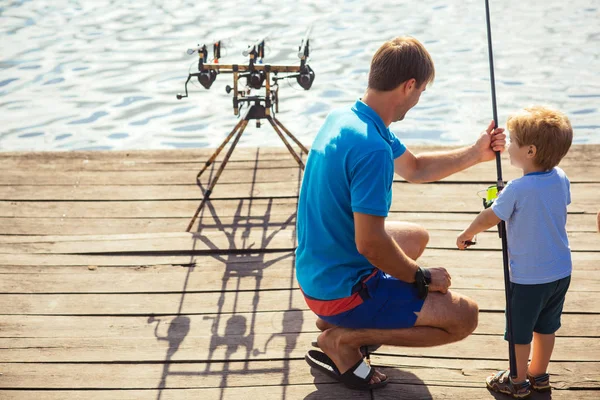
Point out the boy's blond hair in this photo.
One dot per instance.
(547, 129)
(399, 60)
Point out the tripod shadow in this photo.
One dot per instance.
(177, 331)
(232, 348)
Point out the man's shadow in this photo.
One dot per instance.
(403, 385)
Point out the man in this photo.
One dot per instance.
(358, 272)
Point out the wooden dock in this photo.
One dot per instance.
(104, 296)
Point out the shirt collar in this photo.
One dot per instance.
(362, 108)
(540, 173)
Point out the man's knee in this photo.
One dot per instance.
(423, 239)
(467, 321)
(418, 242)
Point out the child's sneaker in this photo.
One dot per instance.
(502, 382)
(540, 383)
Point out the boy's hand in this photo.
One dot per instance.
(490, 141)
(464, 240)
(440, 280)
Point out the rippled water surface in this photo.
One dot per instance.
(102, 74)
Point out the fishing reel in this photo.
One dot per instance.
(255, 74)
(491, 193)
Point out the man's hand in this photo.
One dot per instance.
(464, 240)
(490, 141)
(440, 280)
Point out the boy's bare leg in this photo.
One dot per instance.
(444, 318)
(542, 351)
(522, 353)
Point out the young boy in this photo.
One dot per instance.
(534, 207)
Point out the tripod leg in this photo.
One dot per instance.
(287, 144)
(216, 153)
(213, 182)
(304, 149)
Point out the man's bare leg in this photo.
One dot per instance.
(433, 327)
(444, 318)
(411, 238)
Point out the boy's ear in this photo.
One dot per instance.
(531, 151)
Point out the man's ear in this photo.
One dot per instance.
(531, 151)
(407, 86)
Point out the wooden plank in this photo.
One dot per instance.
(581, 163)
(286, 372)
(241, 153)
(410, 197)
(206, 241)
(264, 323)
(148, 209)
(276, 271)
(244, 172)
(235, 171)
(230, 238)
(17, 216)
(582, 261)
(578, 241)
(225, 302)
(193, 346)
(180, 375)
(306, 392)
(36, 263)
(104, 226)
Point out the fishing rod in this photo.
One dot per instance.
(502, 225)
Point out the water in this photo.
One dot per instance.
(103, 74)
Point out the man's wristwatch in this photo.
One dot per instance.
(422, 281)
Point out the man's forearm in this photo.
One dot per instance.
(432, 167)
(385, 254)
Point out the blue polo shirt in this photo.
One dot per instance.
(350, 168)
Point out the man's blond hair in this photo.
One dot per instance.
(547, 129)
(399, 60)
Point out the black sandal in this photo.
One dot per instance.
(357, 377)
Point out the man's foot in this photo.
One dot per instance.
(364, 350)
(358, 377)
(343, 355)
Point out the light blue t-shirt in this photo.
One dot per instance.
(350, 168)
(535, 210)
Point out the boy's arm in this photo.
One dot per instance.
(484, 221)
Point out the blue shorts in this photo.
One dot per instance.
(379, 301)
(536, 308)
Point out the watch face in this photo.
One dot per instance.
(427, 275)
